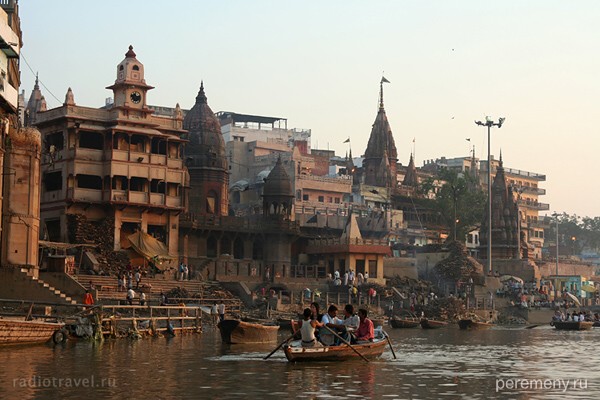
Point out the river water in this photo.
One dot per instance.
(538, 363)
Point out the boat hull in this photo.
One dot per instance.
(473, 325)
(403, 323)
(19, 332)
(296, 353)
(573, 326)
(430, 324)
(240, 332)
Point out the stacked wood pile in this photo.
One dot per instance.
(458, 265)
(100, 233)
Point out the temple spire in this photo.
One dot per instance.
(383, 80)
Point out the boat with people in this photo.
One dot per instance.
(432, 324)
(404, 323)
(19, 331)
(472, 324)
(240, 332)
(572, 325)
(294, 351)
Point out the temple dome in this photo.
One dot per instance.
(278, 182)
(206, 145)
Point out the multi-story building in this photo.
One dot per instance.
(120, 163)
(255, 128)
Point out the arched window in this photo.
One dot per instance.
(136, 68)
(212, 203)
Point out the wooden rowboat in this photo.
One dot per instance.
(294, 352)
(17, 331)
(432, 324)
(237, 332)
(572, 325)
(399, 323)
(470, 324)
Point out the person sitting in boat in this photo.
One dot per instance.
(575, 317)
(329, 320)
(347, 326)
(366, 330)
(307, 330)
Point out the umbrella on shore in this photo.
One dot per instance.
(588, 288)
(574, 299)
(505, 278)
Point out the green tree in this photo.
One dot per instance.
(459, 202)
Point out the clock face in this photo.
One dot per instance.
(136, 97)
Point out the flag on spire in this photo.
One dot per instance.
(468, 139)
(383, 80)
(347, 140)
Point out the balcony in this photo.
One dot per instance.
(533, 190)
(524, 174)
(138, 197)
(534, 205)
(173, 201)
(157, 199)
(87, 195)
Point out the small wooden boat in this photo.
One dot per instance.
(378, 322)
(400, 323)
(17, 331)
(237, 332)
(432, 324)
(596, 324)
(294, 351)
(471, 324)
(572, 325)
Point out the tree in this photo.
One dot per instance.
(459, 202)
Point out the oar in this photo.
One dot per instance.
(390, 343)
(531, 326)
(345, 341)
(280, 344)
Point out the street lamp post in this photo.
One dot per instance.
(489, 122)
(556, 280)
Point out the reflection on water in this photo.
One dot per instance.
(431, 364)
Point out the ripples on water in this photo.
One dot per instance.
(443, 363)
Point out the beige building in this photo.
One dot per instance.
(120, 163)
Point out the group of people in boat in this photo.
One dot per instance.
(576, 316)
(329, 330)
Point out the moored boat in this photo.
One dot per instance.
(16, 331)
(294, 351)
(572, 325)
(400, 323)
(432, 324)
(468, 323)
(238, 332)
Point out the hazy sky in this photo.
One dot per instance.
(319, 63)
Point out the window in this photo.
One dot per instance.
(337, 200)
(298, 194)
(321, 199)
(136, 68)
(91, 140)
(53, 181)
(330, 199)
(305, 197)
(89, 182)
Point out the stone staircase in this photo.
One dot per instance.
(107, 286)
(18, 284)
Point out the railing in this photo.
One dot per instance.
(519, 172)
(534, 204)
(149, 318)
(348, 241)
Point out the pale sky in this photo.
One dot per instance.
(319, 63)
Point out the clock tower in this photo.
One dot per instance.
(130, 88)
